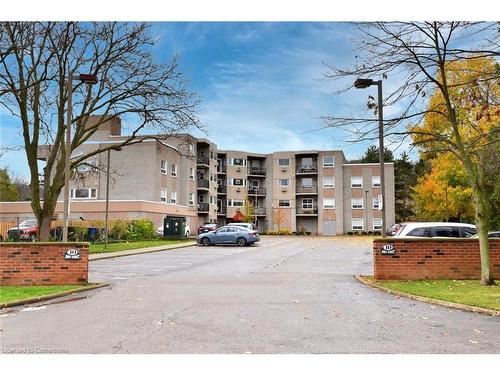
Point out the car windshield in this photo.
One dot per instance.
(28, 223)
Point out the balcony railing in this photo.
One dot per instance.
(221, 169)
(204, 184)
(203, 207)
(221, 189)
(307, 211)
(308, 189)
(221, 210)
(260, 211)
(204, 160)
(306, 169)
(256, 171)
(253, 190)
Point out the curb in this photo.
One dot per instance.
(145, 250)
(51, 296)
(458, 306)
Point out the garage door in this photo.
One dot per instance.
(329, 227)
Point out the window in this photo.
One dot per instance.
(173, 197)
(191, 173)
(191, 149)
(307, 203)
(163, 167)
(235, 202)
(191, 199)
(419, 232)
(328, 182)
(328, 161)
(163, 195)
(357, 182)
(284, 182)
(329, 203)
(211, 200)
(356, 203)
(446, 232)
(86, 166)
(283, 162)
(212, 177)
(239, 162)
(284, 203)
(377, 223)
(375, 203)
(237, 182)
(201, 199)
(211, 154)
(357, 224)
(83, 193)
(307, 182)
(174, 170)
(468, 232)
(375, 181)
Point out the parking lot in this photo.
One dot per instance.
(284, 295)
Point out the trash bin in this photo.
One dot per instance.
(92, 233)
(174, 226)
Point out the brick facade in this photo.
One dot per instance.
(42, 263)
(419, 259)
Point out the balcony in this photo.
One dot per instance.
(203, 161)
(306, 169)
(221, 189)
(203, 184)
(306, 189)
(253, 190)
(257, 171)
(260, 211)
(203, 207)
(221, 169)
(307, 211)
(221, 211)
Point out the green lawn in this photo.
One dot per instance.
(14, 293)
(467, 292)
(121, 246)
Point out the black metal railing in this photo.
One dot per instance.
(203, 183)
(221, 210)
(203, 160)
(306, 169)
(253, 190)
(221, 169)
(307, 211)
(203, 207)
(306, 189)
(256, 171)
(260, 211)
(221, 189)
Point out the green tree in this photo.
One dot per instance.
(8, 191)
(249, 211)
(372, 155)
(405, 178)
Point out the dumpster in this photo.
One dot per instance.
(174, 226)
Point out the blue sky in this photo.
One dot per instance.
(261, 84)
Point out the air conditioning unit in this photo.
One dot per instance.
(238, 169)
(238, 190)
(284, 190)
(284, 169)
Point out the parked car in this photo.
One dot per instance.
(248, 226)
(26, 231)
(187, 231)
(207, 227)
(429, 229)
(229, 235)
(493, 234)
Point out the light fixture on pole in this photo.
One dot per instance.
(89, 79)
(362, 83)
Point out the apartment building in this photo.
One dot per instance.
(315, 191)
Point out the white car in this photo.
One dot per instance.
(436, 229)
(248, 226)
(187, 231)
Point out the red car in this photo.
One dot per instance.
(207, 227)
(27, 231)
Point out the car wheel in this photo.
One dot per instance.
(205, 241)
(241, 241)
(32, 237)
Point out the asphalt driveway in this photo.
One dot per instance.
(285, 295)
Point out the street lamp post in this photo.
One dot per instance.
(89, 79)
(106, 229)
(361, 83)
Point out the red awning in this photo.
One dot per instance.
(238, 216)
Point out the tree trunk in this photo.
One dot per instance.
(44, 217)
(44, 228)
(482, 228)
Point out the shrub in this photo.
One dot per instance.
(141, 229)
(80, 233)
(350, 233)
(377, 233)
(119, 229)
(363, 233)
(302, 230)
(370, 232)
(284, 232)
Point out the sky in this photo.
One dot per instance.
(261, 85)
